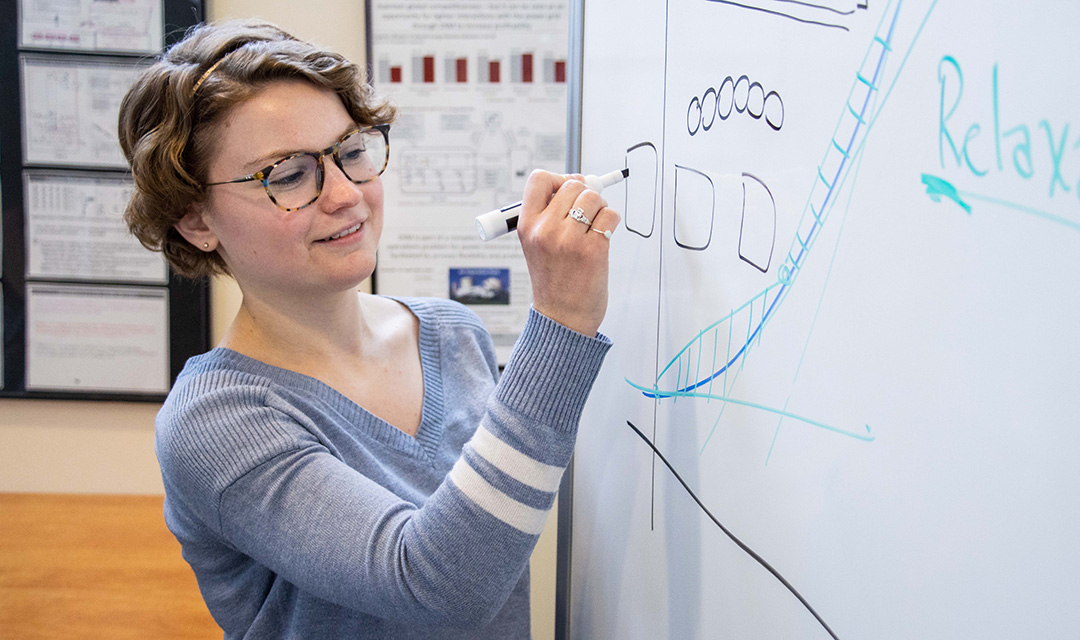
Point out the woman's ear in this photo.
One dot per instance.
(194, 228)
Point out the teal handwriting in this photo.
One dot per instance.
(1017, 149)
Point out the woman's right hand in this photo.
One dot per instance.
(567, 259)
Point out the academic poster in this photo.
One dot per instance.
(481, 93)
(91, 25)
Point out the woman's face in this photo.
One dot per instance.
(271, 250)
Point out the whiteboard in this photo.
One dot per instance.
(844, 304)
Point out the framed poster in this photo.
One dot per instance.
(97, 339)
(91, 25)
(69, 109)
(482, 96)
(75, 230)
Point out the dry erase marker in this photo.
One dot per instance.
(502, 221)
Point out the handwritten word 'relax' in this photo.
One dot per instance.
(1011, 150)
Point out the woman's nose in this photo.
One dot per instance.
(338, 190)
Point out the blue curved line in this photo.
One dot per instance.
(780, 412)
(712, 326)
(804, 246)
(734, 359)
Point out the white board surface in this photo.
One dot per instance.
(845, 306)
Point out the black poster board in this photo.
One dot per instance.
(184, 303)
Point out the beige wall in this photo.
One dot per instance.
(96, 447)
(337, 24)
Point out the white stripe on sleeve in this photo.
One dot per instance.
(515, 464)
(516, 514)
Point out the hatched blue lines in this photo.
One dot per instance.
(864, 102)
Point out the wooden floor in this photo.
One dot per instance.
(90, 567)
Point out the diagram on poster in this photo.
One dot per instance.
(70, 107)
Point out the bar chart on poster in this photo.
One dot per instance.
(842, 397)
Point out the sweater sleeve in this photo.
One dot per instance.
(340, 536)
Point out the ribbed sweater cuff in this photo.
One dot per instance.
(551, 371)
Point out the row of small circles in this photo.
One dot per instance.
(702, 112)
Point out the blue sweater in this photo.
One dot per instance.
(305, 516)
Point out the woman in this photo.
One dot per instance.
(345, 465)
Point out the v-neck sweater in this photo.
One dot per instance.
(303, 515)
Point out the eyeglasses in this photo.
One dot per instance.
(296, 181)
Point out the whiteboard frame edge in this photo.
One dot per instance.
(575, 55)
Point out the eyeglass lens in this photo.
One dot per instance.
(294, 182)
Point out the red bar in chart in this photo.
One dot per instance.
(429, 69)
(527, 67)
(560, 71)
(493, 71)
(462, 70)
(395, 74)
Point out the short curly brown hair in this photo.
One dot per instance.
(168, 118)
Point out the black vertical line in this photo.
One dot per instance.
(660, 272)
(574, 104)
(369, 49)
(12, 284)
(369, 69)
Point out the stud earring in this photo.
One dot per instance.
(206, 245)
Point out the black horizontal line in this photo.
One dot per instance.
(817, 6)
(781, 14)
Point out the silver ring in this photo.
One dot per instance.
(605, 233)
(579, 214)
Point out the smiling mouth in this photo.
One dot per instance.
(352, 229)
